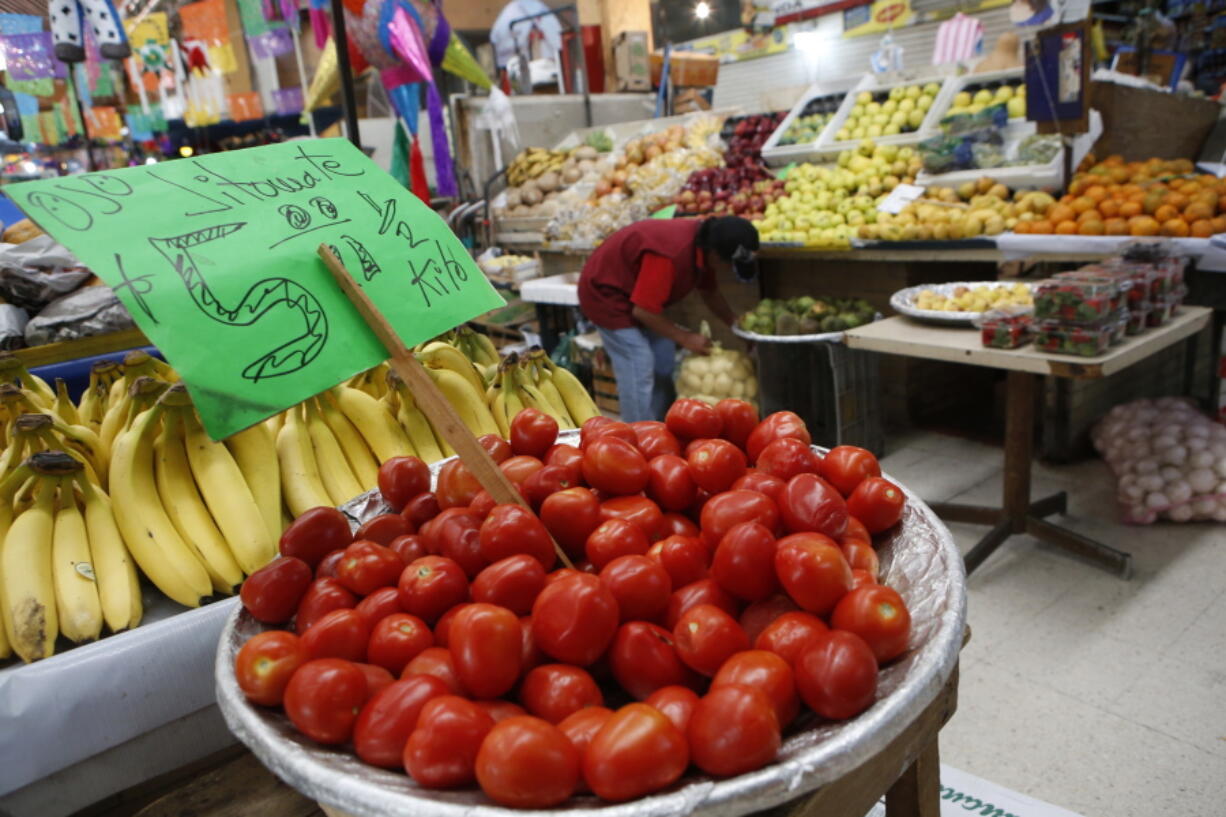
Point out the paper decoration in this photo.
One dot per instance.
(20, 24)
(221, 58)
(33, 87)
(326, 81)
(205, 20)
(251, 12)
(288, 101)
(154, 28)
(140, 126)
(32, 127)
(28, 56)
(104, 123)
(215, 258)
(245, 106)
(459, 61)
(272, 43)
(68, 111)
(26, 103)
(406, 41)
(46, 126)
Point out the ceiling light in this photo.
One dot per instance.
(703, 10)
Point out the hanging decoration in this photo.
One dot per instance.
(288, 101)
(28, 56)
(67, 19)
(245, 106)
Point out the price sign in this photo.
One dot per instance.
(215, 257)
(900, 197)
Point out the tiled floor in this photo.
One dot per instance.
(1107, 697)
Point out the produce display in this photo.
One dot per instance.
(975, 298)
(806, 315)
(813, 118)
(1006, 329)
(745, 136)
(972, 209)
(886, 113)
(722, 373)
(1169, 458)
(693, 634)
(538, 176)
(978, 96)
(1063, 339)
(743, 186)
(1084, 301)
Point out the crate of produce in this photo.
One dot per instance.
(1059, 338)
(898, 113)
(974, 92)
(795, 140)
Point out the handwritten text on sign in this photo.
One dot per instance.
(215, 257)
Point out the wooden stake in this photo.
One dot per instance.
(429, 399)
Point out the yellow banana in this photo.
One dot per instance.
(334, 470)
(514, 402)
(64, 408)
(300, 483)
(76, 590)
(229, 500)
(468, 402)
(11, 368)
(186, 509)
(418, 428)
(544, 381)
(255, 451)
(357, 453)
(439, 355)
(498, 408)
(114, 569)
(273, 423)
(379, 428)
(534, 397)
(151, 537)
(579, 404)
(26, 568)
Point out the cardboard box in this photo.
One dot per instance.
(687, 70)
(631, 61)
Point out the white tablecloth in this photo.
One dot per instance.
(1209, 253)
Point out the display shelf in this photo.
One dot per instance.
(82, 347)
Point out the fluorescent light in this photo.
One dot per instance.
(703, 10)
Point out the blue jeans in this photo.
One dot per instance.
(643, 365)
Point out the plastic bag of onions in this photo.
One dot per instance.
(721, 373)
(1169, 458)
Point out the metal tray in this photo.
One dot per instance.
(903, 302)
(919, 560)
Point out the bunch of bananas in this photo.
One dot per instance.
(535, 381)
(532, 162)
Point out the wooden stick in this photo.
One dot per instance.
(429, 399)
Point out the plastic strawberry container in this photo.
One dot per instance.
(1161, 312)
(1097, 274)
(1137, 320)
(1059, 338)
(1002, 329)
(1075, 301)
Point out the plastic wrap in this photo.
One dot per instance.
(919, 560)
(36, 272)
(88, 311)
(13, 320)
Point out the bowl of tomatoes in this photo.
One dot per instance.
(748, 617)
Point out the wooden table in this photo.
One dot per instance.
(1018, 514)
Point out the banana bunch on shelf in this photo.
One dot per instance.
(532, 162)
(535, 381)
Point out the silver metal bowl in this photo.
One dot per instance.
(903, 302)
(919, 560)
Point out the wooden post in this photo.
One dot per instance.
(429, 399)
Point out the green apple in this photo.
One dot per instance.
(843, 135)
(874, 131)
(915, 118)
(896, 93)
(908, 104)
(873, 108)
(891, 130)
(912, 92)
(867, 147)
(859, 133)
(1017, 107)
(962, 99)
(1020, 90)
(881, 120)
(1004, 93)
(889, 106)
(982, 97)
(932, 89)
(898, 118)
(864, 97)
(924, 102)
(975, 108)
(856, 110)
(955, 110)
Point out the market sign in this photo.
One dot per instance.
(215, 258)
(791, 11)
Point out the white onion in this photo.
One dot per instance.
(1200, 459)
(1151, 482)
(1219, 467)
(1163, 441)
(1220, 514)
(1146, 466)
(1218, 449)
(1204, 505)
(1178, 492)
(1137, 433)
(1202, 480)
(1175, 455)
(1180, 513)
(1197, 430)
(1170, 473)
(1156, 500)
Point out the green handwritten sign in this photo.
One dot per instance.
(665, 212)
(215, 257)
(783, 172)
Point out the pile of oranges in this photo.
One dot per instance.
(1155, 197)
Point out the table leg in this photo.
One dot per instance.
(918, 792)
(1019, 446)
(1056, 503)
(1105, 555)
(970, 514)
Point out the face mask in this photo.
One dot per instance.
(745, 264)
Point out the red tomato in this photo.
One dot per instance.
(685, 558)
(617, 429)
(574, 620)
(520, 467)
(390, 716)
(636, 752)
(565, 455)
(549, 480)
(641, 586)
(706, 637)
(367, 566)
(486, 647)
(730, 508)
(525, 762)
(441, 752)
(533, 432)
(669, 482)
(456, 485)
(500, 710)
(879, 616)
(323, 699)
(744, 562)
(272, 593)
(401, 479)
(322, 597)
(421, 509)
(878, 503)
(481, 505)
(431, 586)
(690, 419)
(613, 538)
(315, 534)
(377, 678)
(555, 691)
(856, 532)
(861, 557)
(786, 457)
(513, 583)
(530, 655)
(762, 482)
(739, 420)
(435, 661)
(703, 591)
(733, 731)
(513, 529)
(327, 565)
(788, 635)
(581, 727)
(654, 439)
(677, 703)
(498, 448)
(442, 627)
(675, 524)
(637, 510)
(644, 658)
(813, 571)
(408, 547)
(860, 578)
(612, 465)
(383, 528)
(589, 430)
(769, 674)
(571, 516)
(846, 466)
(265, 664)
(809, 503)
(758, 616)
(715, 465)
(337, 634)
(836, 675)
(454, 534)
(772, 427)
(396, 640)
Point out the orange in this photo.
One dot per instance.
(1197, 210)
(1066, 228)
(1131, 208)
(1202, 228)
(1078, 186)
(1209, 197)
(1083, 203)
(1089, 215)
(1219, 224)
(1143, 225)
(1119, 175)
(1176, 227)
(1165, 213)
(1041, 227)
(1153, 201)
(1096, 192)
(1115, 226)
(1176, 200)
(1109, 208)
(1091, 227)
(1061, 212)
(1022, 227)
